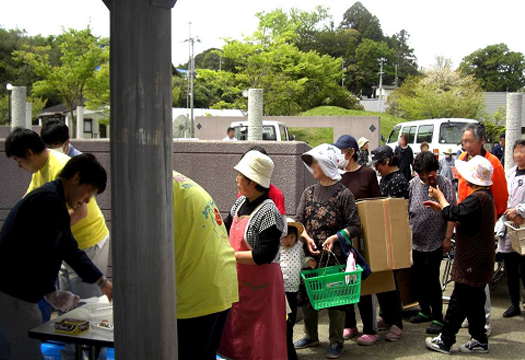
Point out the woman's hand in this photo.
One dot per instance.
(312, 248)
(518, 221)
(435, 193)
(429, 204)
(312, 263)
(511, 214)
(329, 243)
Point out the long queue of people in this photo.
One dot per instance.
(238, 279)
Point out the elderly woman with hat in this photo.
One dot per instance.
(256, 327)
(446, 165)
(325, 208)
(363, 156)
(474, 258)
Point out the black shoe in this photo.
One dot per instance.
(435, 328)
(304, 343)
(512, 311)
(420, 318)
(436, 344)
(474, 347)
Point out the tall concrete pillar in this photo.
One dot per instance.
(513, 125)
(255, 114)
(141, 180)
(29, 115)
(18, 106)
(80, 122)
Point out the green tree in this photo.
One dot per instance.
(359, 18)
(363, 72)
(496, 68)
(440, 93)
(404, 56)
(81, 53)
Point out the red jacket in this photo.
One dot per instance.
(498, 188)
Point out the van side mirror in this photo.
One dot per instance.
(292, 137)
(383, 138)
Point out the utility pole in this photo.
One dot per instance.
(382, 61)
(343, 69)
(192, 74)
(395, 81)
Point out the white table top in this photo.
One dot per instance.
(92, 312)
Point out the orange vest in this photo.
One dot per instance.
(498, 188)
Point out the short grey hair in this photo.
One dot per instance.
(477, 129)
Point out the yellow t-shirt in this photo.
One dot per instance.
(205, 267)
(90, 230)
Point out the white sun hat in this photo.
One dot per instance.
(362, 141)
(477, 171)
(257, 167)
(328, 157)
(298, 226)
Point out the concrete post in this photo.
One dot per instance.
(80, 122)
(18, 106)
(29, 115)
(255, 114)
(141, 180)
(513, 125)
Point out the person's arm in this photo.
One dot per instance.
(266, 250)
(349, 210)
(373, 186)
(463, 211)
(499, 190)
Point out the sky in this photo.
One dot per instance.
(449, 28)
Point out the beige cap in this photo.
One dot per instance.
(362, 141)
(257, 167)
(448, 151)
(298, 226)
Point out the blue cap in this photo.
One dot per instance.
(346, 142)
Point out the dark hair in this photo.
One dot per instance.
(292, 230)
(354, 155)
(54, 132)
(393, 161)
(424, 143)
(229, 129)
(425, 162)
(404, 136)
(90, 171)
(256, 148)
(518, 143)
(477, 129)
(21, 140)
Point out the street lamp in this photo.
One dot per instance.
(9, 87)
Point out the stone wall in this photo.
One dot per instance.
(210, 163)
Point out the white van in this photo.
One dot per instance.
(272, 131)
(441, 134)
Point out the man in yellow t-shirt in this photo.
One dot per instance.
(87, 222)
(205, 269)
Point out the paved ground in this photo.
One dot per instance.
(507, 340)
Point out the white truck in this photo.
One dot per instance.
(272, 131)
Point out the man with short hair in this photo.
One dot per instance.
(499, 149)
(55, 135)
(36, 237)
(230, 135)
(87, 221)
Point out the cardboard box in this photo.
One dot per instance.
(406, 288)
(378, 282)
(71, 326)
(386, 241)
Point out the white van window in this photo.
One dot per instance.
(241, 132)
(411, 132)
(283, 133)
(451, 132)
(394, 135)
(425, 134)
(269, 133)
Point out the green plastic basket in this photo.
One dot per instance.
(332, 286)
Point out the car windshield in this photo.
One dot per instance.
(241, 132)
(394, 135)
(451, 132)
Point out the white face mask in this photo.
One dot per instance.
(59, 149)
(343, 164)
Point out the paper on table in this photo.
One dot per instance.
(91, 300)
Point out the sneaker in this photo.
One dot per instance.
(335, 351)
(394, 334)
(512, 311)
(436, 344)
(349, 333)
(382, 325)
(367, 340)
(488, 330)
(305, 343)
(435, 328)
(420, 318)
(474, 347)
(465, 323)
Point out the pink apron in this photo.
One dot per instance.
(256, 326)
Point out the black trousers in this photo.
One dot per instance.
(390, 306)
(199, 338)
(425, 274)
(515, 265)
(292, 317)
(465, 302)
(366, 309)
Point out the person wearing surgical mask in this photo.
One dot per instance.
(362, 182)
(55, 135)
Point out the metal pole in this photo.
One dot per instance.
(513, 125)
(381, 62)
(192, 97)
(18, 107)
(141, 180)
(255, 114)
